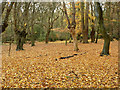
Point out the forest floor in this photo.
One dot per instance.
(41, 67)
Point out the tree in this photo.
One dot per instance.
(106, 37)
(32, 35)
(72, 25)
(49, 13)
(20, 23)
(92, 34)
(82, 19)
(85, 32)
(5, 20)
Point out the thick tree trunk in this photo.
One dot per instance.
(106, 37)
(105, 50)
(20, 34)
(18, 41)
(92, 36)
(47, 36)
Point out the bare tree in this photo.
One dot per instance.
(72, 25)
(106, 37)
(5, 20)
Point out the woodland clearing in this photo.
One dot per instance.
(41, 67)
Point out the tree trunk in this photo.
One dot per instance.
(110, 17)
(82, 19)
(97, 35)
(20, 39)
(32, 23)
(32, 37)
(47, 36)
(72, 26)
(72, 30)
(70, 41)
(118, 19)
(5, 21)
(92, 35)
(106, 37)
(85, 32)
(20, 34)
(105, 50)
(92, 26)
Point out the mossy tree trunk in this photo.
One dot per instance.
(106, 37)
(20, 34)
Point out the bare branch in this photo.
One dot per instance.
(66, 14)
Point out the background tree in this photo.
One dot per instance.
(7, 13)
(92, 34)
(72, 25)
(82, 19)
(32, 34)
(85, 32)
(20, 22)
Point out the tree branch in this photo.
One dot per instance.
(66, 14)
(5, 22)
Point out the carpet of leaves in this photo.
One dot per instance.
(40, 66)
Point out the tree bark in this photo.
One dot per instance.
(5, 21)
(32, 27)
(92, 25)
(72, 26)
(47, 36)
(97, 35)
(110, 17)
(74, 39)
(106, 37)
(51, 21)
(82, 19)
(20, 34)
(85, 35)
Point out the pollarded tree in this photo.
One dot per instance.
(106, 37)
(72, 25)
